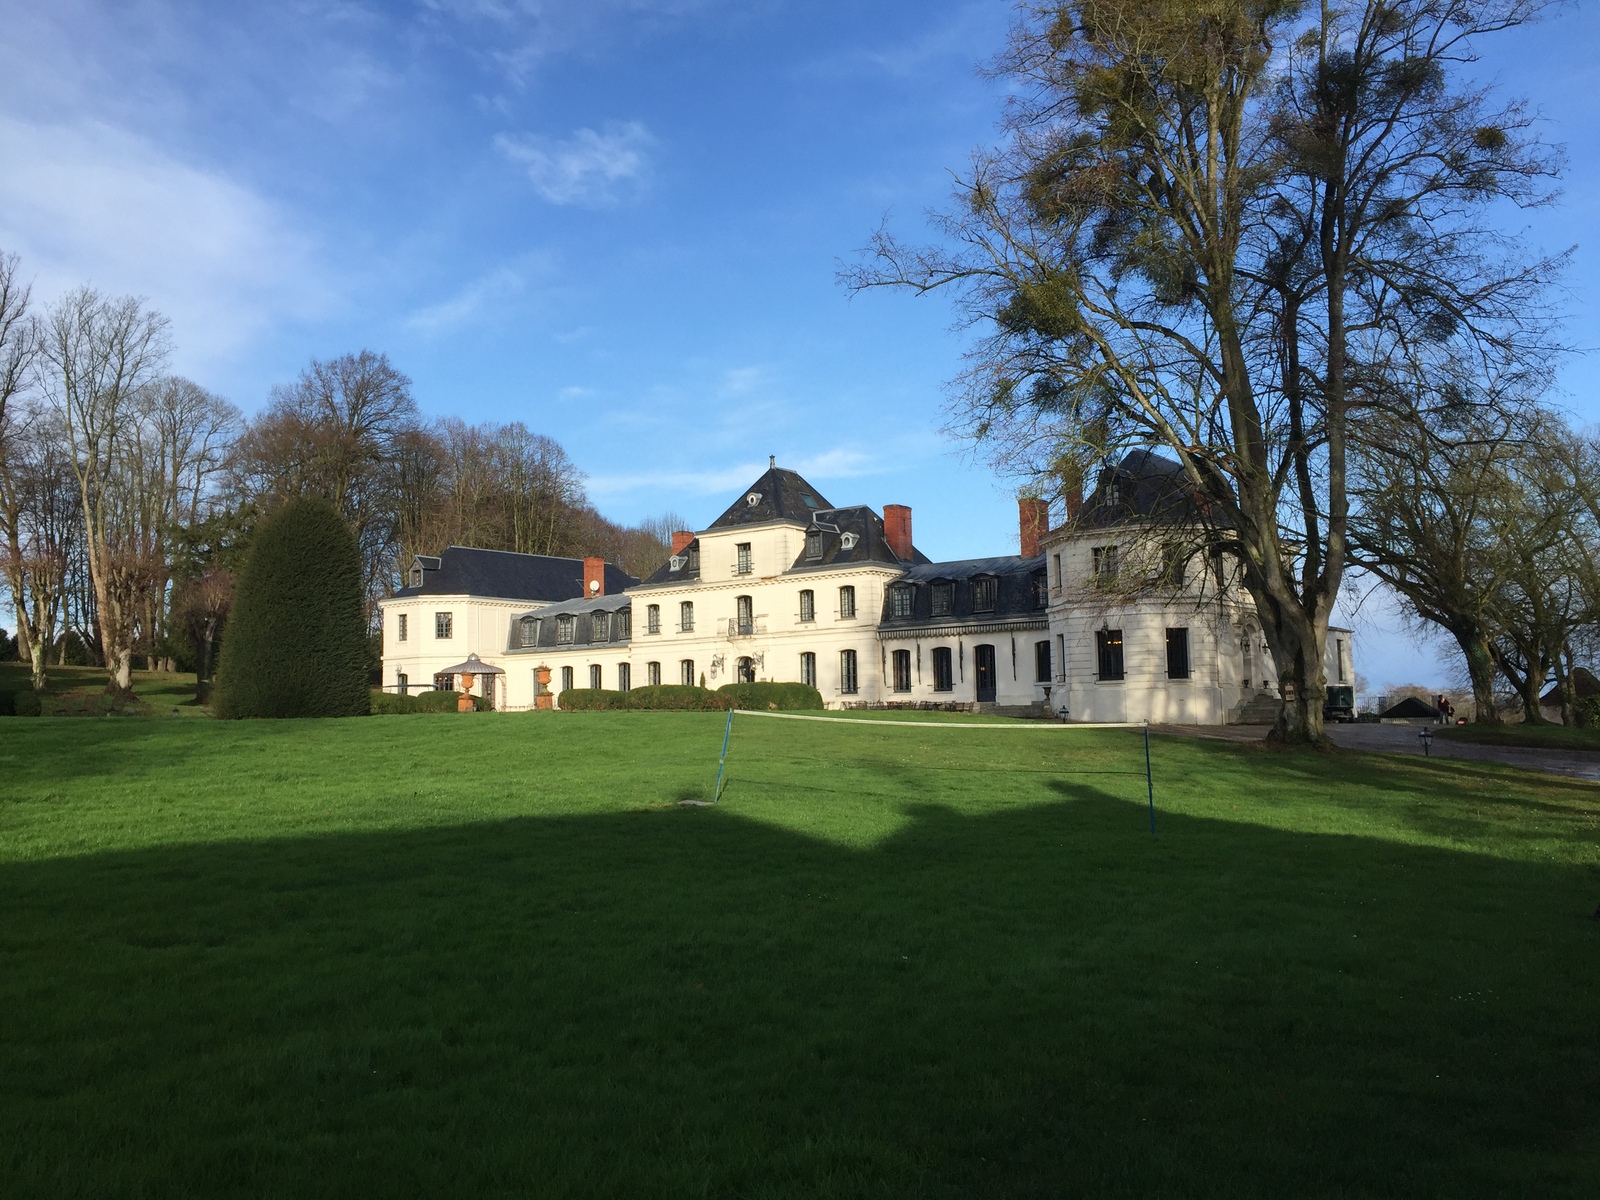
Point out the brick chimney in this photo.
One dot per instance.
(897, 530)
(1033, 520)
(680, 540)
(594, 577)
(1074, 502)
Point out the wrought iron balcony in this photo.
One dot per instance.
(744, 629)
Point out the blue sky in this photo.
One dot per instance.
(618, 220)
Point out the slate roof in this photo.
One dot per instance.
(870, 544)
(582, 613)
(501, 574)
(1411, 707)
(688, 569)
(1016, 596)
(779, 495)
(1143, 485)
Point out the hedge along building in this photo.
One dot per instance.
(461, 603)
(1144, 624)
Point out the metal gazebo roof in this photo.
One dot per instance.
(473, 666)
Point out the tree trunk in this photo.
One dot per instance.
(1480, 668)
(1302, 681)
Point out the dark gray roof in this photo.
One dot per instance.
(614, 612)
(1143, 485)
(868, 541)
(779, 495)
(1410, 707)
(682, 567)
(465, 570)
(1019, 594)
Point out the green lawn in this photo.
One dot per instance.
(493, 955)
(165, 694)
(1534, 737)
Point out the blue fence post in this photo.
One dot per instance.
(1149, 781)
(716, 795)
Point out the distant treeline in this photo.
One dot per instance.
(128, 494)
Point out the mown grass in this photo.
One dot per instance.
(1533, 737)
(163, 693)
(494, 955)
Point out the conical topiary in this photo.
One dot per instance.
(296, 643)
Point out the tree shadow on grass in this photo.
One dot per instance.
(1048, 1001)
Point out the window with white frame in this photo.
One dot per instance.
(814, 543)
(808, 669)
(564, 629)
(400, 628)
(622, 623)
(808, 605)
(443, 625)
(529, 635)
(847, 672)
(652, 618)
(847, 603)
(901, 601)
(594, 676)
(624, 676)
(686, 617)
(686, 672)
(600, 627)
(652, 674)
(566, 678)
(742, 558)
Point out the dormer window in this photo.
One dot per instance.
(985, 588)
(1041, 590)
(944, 595)
(901, 600)
(847, 541)
(694, 558)
(599, 627)
(530, 631)
(753, 499)
(564, 626)
(814, 543)
(416, 576)
(675, 563)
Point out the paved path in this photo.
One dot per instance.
(1403, 739)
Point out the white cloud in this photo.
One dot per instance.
(86, 202)
(471, 302)
(591, 167)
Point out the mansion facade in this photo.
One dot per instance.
(784, 586)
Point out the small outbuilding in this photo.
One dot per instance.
(1411, 711)
(477, 678)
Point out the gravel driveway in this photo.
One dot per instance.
(1403, 739)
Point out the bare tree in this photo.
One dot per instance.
(1214, 231)
(96, 354)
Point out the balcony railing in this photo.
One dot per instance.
(744, 629)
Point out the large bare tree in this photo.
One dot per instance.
(1218, 229)
(96, 354)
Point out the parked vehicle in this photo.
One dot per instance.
(1340, 704)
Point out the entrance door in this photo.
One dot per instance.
(983, 660)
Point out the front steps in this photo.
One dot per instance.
(1261, 709)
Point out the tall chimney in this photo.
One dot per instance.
(1033, 520)
(1074, 502)
(680, 540)
(594, 577)
(897, 530)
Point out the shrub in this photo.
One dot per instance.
(297, 637)
(1589, 712)
(771, 697)
(673, 697)
(26, 704)
(388, 703)
(592, 700)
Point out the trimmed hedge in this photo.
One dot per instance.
(389, 703)
(297, 636)
(667, 697)
(674, 697)
(771, 697)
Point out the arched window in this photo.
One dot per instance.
(747, 670)
(686, 672)
(847, 672)
(808, 605)
(746, 618)
(847, 602)
(652, 674)
(686, 617)
(808, 669)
